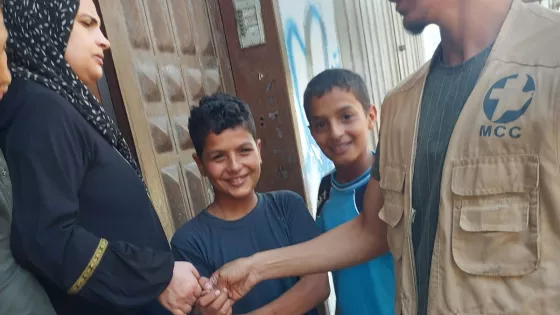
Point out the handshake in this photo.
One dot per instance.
(210, 296)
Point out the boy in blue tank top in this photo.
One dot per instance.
(340, 117)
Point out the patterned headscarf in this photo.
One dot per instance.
(39, 31)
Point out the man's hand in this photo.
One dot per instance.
(183, 290)
(213, 301)
(237, 277)
(354, 242)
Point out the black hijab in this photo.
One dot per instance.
(39, 31)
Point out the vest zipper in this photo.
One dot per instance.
(412, 163)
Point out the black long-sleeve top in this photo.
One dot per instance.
(82, 220)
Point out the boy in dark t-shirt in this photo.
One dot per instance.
(241, 222)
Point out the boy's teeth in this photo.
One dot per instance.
(236, 181)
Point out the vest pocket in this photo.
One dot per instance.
(392, 184)
(495, 215)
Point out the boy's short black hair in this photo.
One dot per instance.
(344, 79)
(216, 113)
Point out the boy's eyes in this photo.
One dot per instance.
(221, 156)
(347, 116)
(217, 157)
(318, 125)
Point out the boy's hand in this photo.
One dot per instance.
(213, 301)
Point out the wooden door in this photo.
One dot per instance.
(167, 54)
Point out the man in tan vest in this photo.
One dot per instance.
(466, 195)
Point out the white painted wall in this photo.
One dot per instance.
(311, 46)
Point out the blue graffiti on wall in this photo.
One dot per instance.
(298, 44)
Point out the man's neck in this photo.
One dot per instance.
(231, 209)
(470, 27)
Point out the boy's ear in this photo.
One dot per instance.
(199, 164)
(371, 115)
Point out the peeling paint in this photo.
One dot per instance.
(293, 159)
(282, 173)
(273, 115)
(271, 102)
(270, 85)
(279, 132)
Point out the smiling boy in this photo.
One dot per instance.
(241, 222)
(341, 117)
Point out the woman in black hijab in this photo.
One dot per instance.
(83, 222)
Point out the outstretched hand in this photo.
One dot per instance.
(237, 277)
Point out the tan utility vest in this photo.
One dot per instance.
(497, 246)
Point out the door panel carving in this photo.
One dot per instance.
(168, 54)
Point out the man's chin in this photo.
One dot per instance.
(415, 28)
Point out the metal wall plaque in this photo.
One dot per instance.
(250, 29)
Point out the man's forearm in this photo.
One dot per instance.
(349, 244)
(305, 295)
